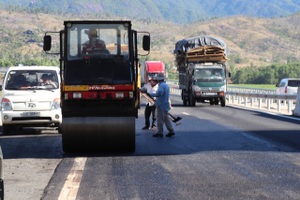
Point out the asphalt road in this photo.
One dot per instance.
(217, 153)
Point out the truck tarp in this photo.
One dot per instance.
(185, 45)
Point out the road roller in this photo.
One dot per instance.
(99, 83)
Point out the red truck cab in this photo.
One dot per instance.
(150, 69)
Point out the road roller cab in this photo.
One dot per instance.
(100, 94)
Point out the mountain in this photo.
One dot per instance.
(177, 11)
(251, 40)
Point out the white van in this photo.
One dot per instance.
(30, 98)
(288, 86)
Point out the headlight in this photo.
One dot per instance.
(196, 88)
(223, 88)
(55, 104)
(5, 104)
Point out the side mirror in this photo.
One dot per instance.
(47, 43)
(146, 42)
(229, 74)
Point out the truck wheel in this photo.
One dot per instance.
(223, 101)
(184, 102)
(6, 129)
(192, 100)
(216, 101)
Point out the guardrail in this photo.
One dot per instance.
(256, 98)
(272, 102)
(250, 90)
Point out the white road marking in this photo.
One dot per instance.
(72, 183)
(185, 113)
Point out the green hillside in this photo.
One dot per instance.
(251, 41)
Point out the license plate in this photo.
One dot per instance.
(209, 93)
(30, 114)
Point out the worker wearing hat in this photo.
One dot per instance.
(150, 87)
(163, 106)
(94, 45)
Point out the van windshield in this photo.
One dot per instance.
(31, 79)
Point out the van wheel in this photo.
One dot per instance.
(7, 129)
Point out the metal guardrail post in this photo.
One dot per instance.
(260, 103)
(290, 103)
(269, 104)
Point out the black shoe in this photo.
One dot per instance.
(145, 128)
(170, 134)
(158, 135)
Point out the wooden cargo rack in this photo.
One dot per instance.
(206, 53)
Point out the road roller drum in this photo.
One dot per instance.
(98, 134)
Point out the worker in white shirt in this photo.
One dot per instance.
(150, 88)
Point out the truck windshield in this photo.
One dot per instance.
(98, 54)
(97, 40)
(209, 74)
(31, 79)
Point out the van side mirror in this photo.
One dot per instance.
(47, 43)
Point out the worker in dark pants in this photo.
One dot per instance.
(163, 106)
(150, 87)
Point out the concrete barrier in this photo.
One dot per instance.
(297, 108)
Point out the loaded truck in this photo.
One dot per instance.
(202, 68)
(99, 83)
(151, 68)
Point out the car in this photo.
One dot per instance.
(288, 86)
(28, 101)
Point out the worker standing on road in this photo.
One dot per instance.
(150, 87)
(163, 106)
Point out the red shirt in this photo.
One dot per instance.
(97, 47)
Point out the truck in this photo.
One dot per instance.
(99, 86)
(151, 68)
(203, 70)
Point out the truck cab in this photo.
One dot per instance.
(151, 68)
(208, 83)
